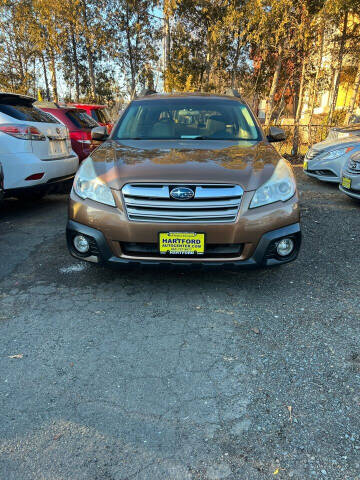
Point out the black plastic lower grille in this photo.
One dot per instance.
(325, 173)
(211, 250)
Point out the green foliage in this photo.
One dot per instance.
(102, 49)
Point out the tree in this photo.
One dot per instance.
(134, 32)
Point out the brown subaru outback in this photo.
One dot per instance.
(185, 178)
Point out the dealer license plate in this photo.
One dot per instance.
(181, 243)
(346, 182)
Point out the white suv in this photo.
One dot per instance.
(35, 148)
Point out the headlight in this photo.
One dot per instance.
(88, 185)
(336, 153)
(280, 187)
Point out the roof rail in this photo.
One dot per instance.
(147, 91)
(232, 92)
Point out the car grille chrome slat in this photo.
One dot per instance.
(210, 204)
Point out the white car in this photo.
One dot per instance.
(35, 148)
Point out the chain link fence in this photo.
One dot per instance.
(309, 134)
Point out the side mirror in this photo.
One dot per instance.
(99, 134)
(276, 134)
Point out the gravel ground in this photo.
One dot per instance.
(171, 374)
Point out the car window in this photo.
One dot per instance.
(81, 119)
(188, 118)
(94, 115)
(102, 116)
(27, 113)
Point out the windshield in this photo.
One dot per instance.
(100, 115)
(81, 119)
(187, 118)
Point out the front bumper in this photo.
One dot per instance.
(324, 170)
(354, 190)
(323, 177)
(264, 254)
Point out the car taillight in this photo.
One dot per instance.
(23, 132)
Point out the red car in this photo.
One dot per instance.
(79, 124)
(98, 112)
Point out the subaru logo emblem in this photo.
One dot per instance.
(182, 193)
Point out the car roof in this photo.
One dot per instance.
(16, 96)
(89, 105)
(61, 108)
(166, 96)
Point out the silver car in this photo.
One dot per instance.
(336, 133)
(325, 160)
(350, 176)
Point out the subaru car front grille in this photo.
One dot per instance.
(211, 203)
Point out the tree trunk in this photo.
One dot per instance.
(76, 65)
(89, 53)
(236, 60)
(274, 85)
(296, 139)
(46, 78)
(282, 101)
(338, 69)
(315, 84)
(167, 40)
(91, 72)
(353, 96)
(130, 54)
(53, 76)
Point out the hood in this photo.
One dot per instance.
(331, 144)
(248, 164)
(352, 129)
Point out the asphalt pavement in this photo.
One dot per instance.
(168, 374)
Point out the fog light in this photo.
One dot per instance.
(81, 244)
(285, 247)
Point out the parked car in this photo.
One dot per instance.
(98, 112)
(2, 192)
(35, 148)
(325, 160)
(337, 133)
(185, 178)
(350, 176)
(79, 124)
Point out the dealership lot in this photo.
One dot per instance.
(161, 373)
